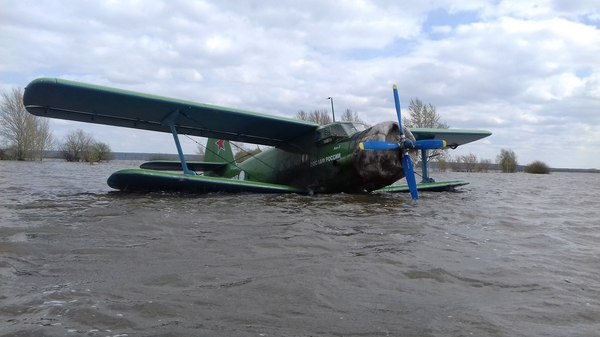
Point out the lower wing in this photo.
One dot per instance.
(430, 187)
(150, 180)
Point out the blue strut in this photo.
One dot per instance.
(170, 120)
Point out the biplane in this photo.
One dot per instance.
(302, 157)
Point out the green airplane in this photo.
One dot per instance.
(303, 157)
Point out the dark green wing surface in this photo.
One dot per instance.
(453, 137)
(82, 102)
(134, 180)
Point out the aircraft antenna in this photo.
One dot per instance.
(332, 111)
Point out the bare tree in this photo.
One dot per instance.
(76, 144)
(484, 165)
(422, 116)
(321, 117)
(27, 135)
(469, 162)
(443, 160)
(44, 140)
(97, 152)
(507, 159)
(465, 163)
(81, 146)
(302, 115)
(442, 164)
(351, 116)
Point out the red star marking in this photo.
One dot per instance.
(220, 145)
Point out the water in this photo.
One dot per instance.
(509, 255)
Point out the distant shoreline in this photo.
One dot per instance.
(143, 156)
(134, 156)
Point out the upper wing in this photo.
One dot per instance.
(82, 102)
(453, 137)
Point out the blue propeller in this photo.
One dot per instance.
(404, 145)
(429, 144)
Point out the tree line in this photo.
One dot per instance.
(24, 136)
(322, 117)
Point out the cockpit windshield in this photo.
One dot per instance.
(333, 131)
(353, 127)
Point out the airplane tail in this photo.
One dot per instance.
(219, 151)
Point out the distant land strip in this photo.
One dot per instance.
(134, 156)
(197, 157)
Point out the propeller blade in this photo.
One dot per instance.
(409, 174)
(398, 111)
(429, 144)
(378, 146)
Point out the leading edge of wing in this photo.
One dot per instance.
(153, 181)
(82, 102)
(453, 137)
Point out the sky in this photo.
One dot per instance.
(528, 71)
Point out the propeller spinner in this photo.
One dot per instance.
(404, 145)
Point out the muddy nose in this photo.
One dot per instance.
(379, 168)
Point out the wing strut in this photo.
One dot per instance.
(170, 121)
(425, 167)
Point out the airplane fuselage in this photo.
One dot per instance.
(331, 161)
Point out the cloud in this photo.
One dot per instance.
(527, 71)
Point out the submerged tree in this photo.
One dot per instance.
(537, 167)
(484, 165)
(81, 146)
(464, 163)
(98, 152)
(28, 136)
(44, 139)
(507, 160)
(75, 145)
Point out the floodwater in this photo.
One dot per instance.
(508, 255)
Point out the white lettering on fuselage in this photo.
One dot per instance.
(324, 160)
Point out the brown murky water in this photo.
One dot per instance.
(509, 255)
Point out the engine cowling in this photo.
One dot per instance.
(378, 169)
